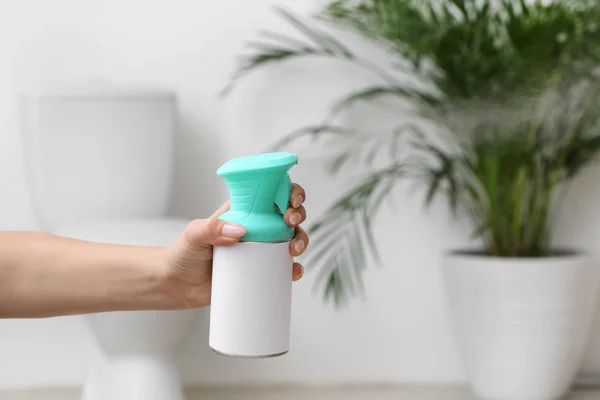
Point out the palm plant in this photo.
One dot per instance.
(504, 100)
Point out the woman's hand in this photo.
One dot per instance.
(189, 258)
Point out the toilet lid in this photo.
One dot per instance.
(144, 232)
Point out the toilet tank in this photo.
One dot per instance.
(98, 152)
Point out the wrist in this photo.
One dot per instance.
(167, 293)
(141, 282)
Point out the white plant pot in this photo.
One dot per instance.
(521, 325)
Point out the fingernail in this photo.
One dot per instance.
(297, 201)
(299, 245)
(301, 272)
(233, 231)
(295, 218)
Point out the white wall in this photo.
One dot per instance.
(400, 334)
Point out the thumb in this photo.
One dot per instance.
(212, 231)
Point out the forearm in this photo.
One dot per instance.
(43, 275)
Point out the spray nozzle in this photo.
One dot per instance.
(259, 189)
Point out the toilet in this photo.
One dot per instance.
(99, 159)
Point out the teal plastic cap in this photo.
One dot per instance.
(258, 162)
(259, 189)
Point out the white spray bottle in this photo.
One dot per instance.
(252, 280)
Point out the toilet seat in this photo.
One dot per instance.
(142, 232)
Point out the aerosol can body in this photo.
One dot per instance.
(252, 280)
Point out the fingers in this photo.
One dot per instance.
(298, 195)
(294, 216)
(223, 209)
(298, 271)
(299, 243)
(212, 231)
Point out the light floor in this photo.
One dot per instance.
(357, 393)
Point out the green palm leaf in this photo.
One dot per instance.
(510, 95)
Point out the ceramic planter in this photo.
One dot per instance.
(521, 324)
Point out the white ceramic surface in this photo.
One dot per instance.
(521, 325)
(98, 150)
(136, 349)
(99, 160)
(251, 299)
(150, 377)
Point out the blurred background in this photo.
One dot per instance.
(397, 334)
